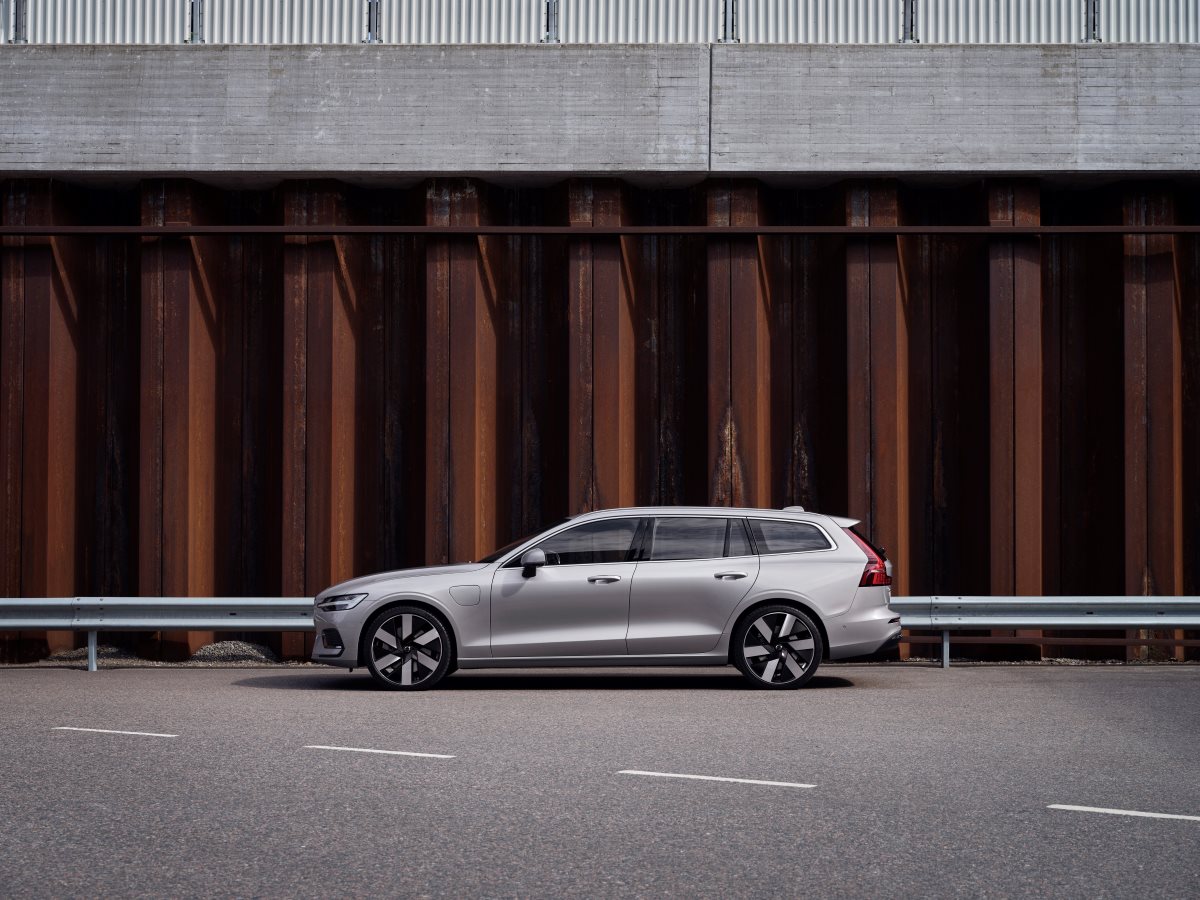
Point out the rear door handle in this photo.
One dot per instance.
(729, 576)
(603, 579)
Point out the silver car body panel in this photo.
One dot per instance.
(649, 612)
(578, 610)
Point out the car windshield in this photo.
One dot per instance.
(507, 548)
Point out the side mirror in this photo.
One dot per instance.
(532, 560)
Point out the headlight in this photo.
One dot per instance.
(341, 602)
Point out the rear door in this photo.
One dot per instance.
(694, 572)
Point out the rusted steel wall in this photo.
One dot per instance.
(269, 415)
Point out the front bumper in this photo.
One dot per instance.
(336, 642)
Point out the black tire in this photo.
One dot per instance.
(407, 648)
(786, 659)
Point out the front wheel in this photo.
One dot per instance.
(777, 647)
(407, 649)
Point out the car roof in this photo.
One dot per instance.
(788, 513)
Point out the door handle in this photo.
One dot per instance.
(603, 579)
(729, 576)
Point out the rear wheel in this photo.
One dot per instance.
(407, 649)
(777, 647)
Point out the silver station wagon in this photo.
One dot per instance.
(772, 592)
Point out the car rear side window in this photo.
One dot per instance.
(687, 538)
(774, 536)
(605, 541)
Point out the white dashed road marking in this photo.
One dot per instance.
(368, 750)
(790, 784)
(1122, 812)
(111, 731)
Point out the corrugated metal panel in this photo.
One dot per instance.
(1150, 21)
(285, 21)
(604, 21)
(1002, 21)
(5, 21)
(820, 21)
(107, 21)
(640, 21)
(462, 21)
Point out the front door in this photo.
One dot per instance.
(575, 605)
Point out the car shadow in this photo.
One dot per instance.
(556, 680)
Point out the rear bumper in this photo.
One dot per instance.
(862, 632)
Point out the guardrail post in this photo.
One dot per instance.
(91, 651)
(945, 649)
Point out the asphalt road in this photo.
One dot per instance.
(926, 782)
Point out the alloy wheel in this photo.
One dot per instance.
(778, 648)
(406, 649)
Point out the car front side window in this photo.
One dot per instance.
(603, 541)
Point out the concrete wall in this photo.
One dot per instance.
(683, 110)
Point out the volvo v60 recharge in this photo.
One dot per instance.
(772, 592)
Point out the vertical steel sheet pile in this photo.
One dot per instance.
(268, 415)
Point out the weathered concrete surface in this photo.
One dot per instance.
(670, 110)
(353, 110)
(945, 109)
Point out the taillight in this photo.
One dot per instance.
(875, 574)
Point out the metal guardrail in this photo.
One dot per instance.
(95, 614)
(946, 614)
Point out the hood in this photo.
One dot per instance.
(365, 584)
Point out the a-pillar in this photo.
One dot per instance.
(1016, 387)
(462, 394)
(323, 309)
(180, 335)
(43, 281)
(601, 353)
(1153, 402)
(739, 352)
(877, 381)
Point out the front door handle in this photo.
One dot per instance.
(730, 576)
(603, 579)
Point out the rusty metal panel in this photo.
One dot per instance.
(877, 365)
(368, 401)
(12, 390)
(602, 404)
(1153, 397)
(1015, 315)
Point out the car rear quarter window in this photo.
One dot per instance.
(774, 536)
